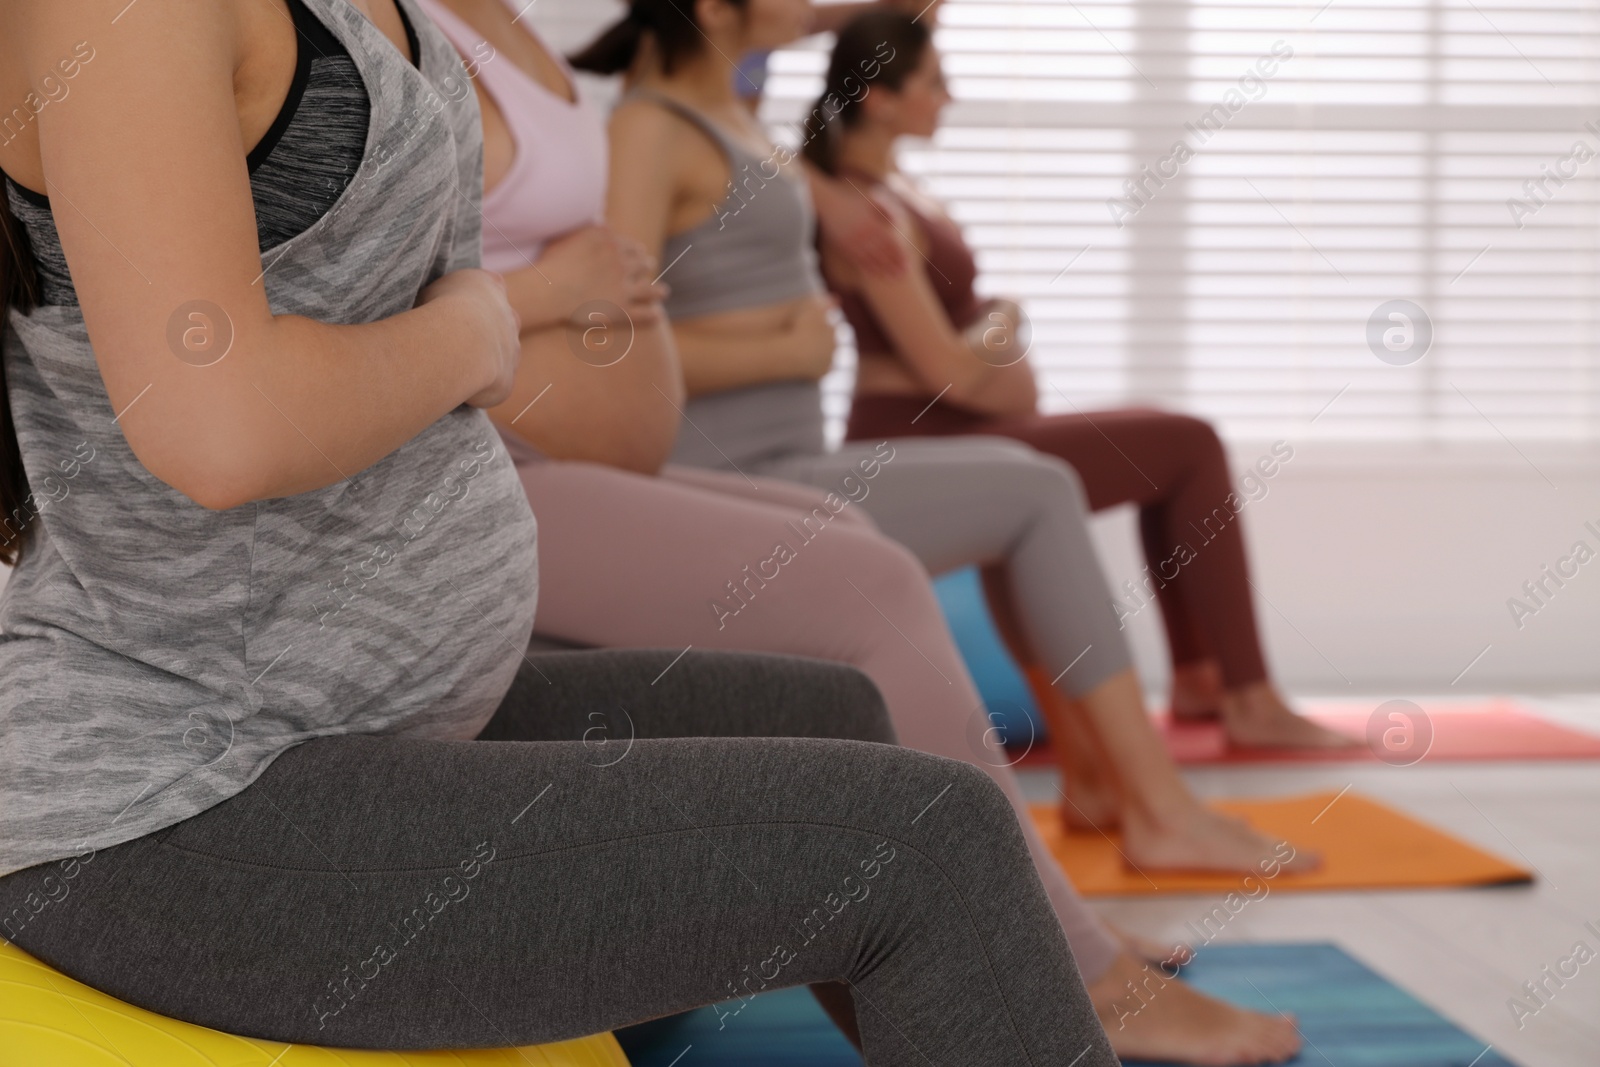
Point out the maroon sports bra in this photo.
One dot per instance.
(948, 264)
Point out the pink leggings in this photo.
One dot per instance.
(633, 561)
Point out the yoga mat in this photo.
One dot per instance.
(784, 1028)
(1348, 1015)
(1492, 731)
(1364, 845)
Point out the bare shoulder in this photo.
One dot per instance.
(51, 51)
(35, 30)
(647, 127)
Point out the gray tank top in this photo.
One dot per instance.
(156, 657)
(757, 248)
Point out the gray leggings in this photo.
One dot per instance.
(638, 837)
(953, 502)
(960, 501)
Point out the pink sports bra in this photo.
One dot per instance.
(557, 180)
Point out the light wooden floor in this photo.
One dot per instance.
(1465, 952)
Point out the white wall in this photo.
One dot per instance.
(1388, 568)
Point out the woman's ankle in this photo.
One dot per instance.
(1161, 812)
(1256, 699)
(1197, 688)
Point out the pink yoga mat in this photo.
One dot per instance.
(1393, 732)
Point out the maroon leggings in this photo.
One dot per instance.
(1174, 468)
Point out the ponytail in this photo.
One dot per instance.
(877, 49)
(672, 27)
(820, 144)
(19, 288)
(614, 50)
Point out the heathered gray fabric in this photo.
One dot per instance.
(740, 428)
(624, 840)
(157, 657)
(953, 501)
(759, 245)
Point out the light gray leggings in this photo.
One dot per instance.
(953, 502)
(629, 837)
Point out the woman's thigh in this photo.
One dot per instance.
(375, 891)
(759, 490)
(1126, 455)
(359, 874)
(952, 501)
(633, 561)
(609, 698)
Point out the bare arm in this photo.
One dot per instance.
(799, 350)
(296, 404)
(602, 382)
(977, 365)
(646, 162)
(643, 180)
(581, 270)
(854, 225)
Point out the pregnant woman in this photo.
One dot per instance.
(273, 759)
(695, 181)
(937, 360)
(636, 560)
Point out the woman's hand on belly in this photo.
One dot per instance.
(812, 336)
(591, 266)
(878, 373)
(791, 341)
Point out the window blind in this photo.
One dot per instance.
(1381, 224)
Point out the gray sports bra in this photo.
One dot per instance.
(759, 245)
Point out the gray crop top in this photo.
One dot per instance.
(759, 245)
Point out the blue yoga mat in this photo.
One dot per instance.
(1350, 1017)
(1005, 692)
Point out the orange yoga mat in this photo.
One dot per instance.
(1497, 730)
(1364, 845)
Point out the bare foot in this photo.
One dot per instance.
(1195, 838)
(1149, 1016)
(1091, 800)
(1257, 717)
(1089, 805)
(1162, 955)
(1196, 691)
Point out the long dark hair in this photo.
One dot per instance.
(19, 288)
(879, 48)
(671, 22)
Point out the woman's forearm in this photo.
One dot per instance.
(540, 302)
(624, 414)
(716, 360)
(304, 405)
(997, 377)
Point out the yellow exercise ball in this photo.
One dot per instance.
(49, 1020)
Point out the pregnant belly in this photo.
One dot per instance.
(767, 322)
(881, 373)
